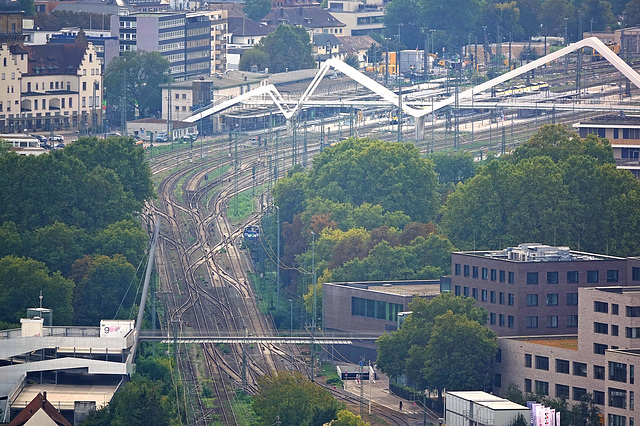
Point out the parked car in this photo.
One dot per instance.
(161, 138)
(41, 139)
(59, 145)
(56, 138)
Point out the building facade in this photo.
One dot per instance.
(600, 360)
(532, 289)
(360, 18)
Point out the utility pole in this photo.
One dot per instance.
(278, 261)
(237, 172)
(361, 385)
(169, 123)
(313, 318)
(305, 152)
(386, 63)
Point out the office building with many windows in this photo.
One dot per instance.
(601, 359)
(533, 288)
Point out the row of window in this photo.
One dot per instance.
(617, 370)
(573, 277)
(552, 321)
(616, 397)
(603, 307)
(375, 309)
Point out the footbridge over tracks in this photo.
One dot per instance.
(296, 339)
(388, 97)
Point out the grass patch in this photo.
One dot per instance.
(330, 374)
(241, 406)
(240, 207)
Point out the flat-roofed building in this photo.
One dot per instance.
(533, 288)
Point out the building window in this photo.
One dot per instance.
(552, 299)
(475, 272)
(527, 360)
(542, 388)
(485, 273)
(592, 276)
(633, 311)
(631, 371)
(600, 328)
(542, 362)
(474, 293)
(579, 369)
(618, 371)
(484, 295)
(572, 299)
(598, 372)
(552, 278)
(375, 309)
(466, 270)
(532, 322)
(532, 278)
(601, 307)
(502, 276)
(511, 277)
(631, 400)
(614, 330)
(632, 332)
(527, 385)
(465, 291)
(512, 299)
(456, 290)
(617, 398)
(599, 348)
(615, 308)
(579, 393)
(494, 274)
(598, 397)
(612, 276)
(499, 355)
(497, 380)
(532, 300)
(562, 391)
(457, 269)
(635, 273)
(510, 321)
(552, 321)
(615, 420)
(501, 320)
(562, 366)
(492, 318)
(501, 298)
(493, 296)
(84, 85)
(572, 277)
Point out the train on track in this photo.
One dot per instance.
(251, 232)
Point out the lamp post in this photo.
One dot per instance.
(386, 62)
(291, 309)
(278, 261)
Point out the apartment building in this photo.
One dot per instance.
(600, 360)
(314, 19)
(360, 18)
(532, 289)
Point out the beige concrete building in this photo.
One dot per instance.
(600, 359)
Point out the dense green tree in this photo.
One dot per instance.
(289, 195)
(347, 418)
(21, 281)
(600, 11)
(140, 74)
(411, 15)
(125, 237)
(632, 17)
(11, 241)
(553, 14)
(352, 60)
(505, 15)
(391, 174)
(58, 245)
(453, 166)
(455, 365)
(254, 58)
(287, 48)
(256, 9)
(529, 19)
(28, 7)
(293, 400)
(121, 155)
(102, 286)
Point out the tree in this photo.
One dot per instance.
(102, 286)
(287, 48)
(553, 14)
(294, 400)
(450, 364)
(21, 281)
(58, 246)
(254, 57)
(519, 421)
(453, 166)
(125, 237)
(256, 9)
(352, 60)
(347, 418)
(289, 195)
(632, 18)
(28, 7)
(138, 76)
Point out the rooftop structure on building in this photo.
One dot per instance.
(481, 408)
(39, 412)
(314, 19)
(103, 7)
(623, 132)
(532, 288)
(601, 359)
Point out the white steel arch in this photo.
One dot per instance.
(392, 98)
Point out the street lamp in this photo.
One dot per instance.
(291, 309)
(386, 62)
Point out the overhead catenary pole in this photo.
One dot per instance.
(278, 261)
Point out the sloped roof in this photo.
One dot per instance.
(37, 403)
(51, 59)
(243, 26)
(107, 7)
(234, 10)
(308, 17)
(322, 39)
(356, 43)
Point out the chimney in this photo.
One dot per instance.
(44, 398)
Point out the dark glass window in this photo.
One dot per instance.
(542, 387)
(375, 309)
(617, 398)
(598, 397)
(494, 275)
(552, 278)
(501, 320)
(579, 369)
(532, 278)
(510, 321)
(501, 298)
(562, 366)
(497, 380)
(592, 276)
(601, 307)
(552, 299)
(562, 391)
(598, 372)
(542, 362)
(633, 311)
(474, 293)
(484, 295)
(614, 419)
(465, 291)
(572, 299)
(632, 332)
(572, 277)
(511, 277)
(527, 385)
(612, 276)
(493, 296)
(600, 328)
(572, 320)
(631, 371)
(615, 308)
(499, 355)
(527, 360)
(475, 272)
(635, 273)
(618, 371)
(599, 348)
(532, 300)
(552, 321)
(502, 276)
(614, 330)
(457, 291)
(532, 322)
(492, 318)
(466, 270)
(579, 393)
(456, 268)
(485, 273)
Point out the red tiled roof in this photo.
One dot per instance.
(37, 403)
